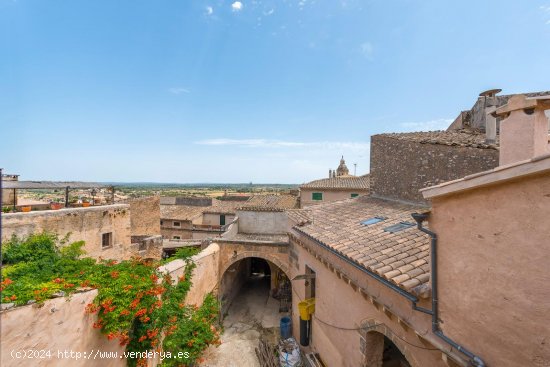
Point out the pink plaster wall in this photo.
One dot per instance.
(338, 304)
(494, 256)
(328, 196)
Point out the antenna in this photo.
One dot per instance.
(355, 169)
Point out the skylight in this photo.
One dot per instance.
(373, 220)
(399, 227)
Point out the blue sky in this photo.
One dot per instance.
(239, 91)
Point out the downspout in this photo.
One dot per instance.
(474, 359)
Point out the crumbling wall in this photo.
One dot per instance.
(400, 168)
(82, 224)
(145, 216)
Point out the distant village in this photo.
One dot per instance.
(436, 257)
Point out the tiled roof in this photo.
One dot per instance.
(299, 216)
(223, 206)
(401, 257)
(180, 212)
(271, 203)
(340, 183)
(462, 138)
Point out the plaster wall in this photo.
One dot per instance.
(345, 307)
(262, 222)
(214, 219)
(205, 275)
(67, 328)
(328, 196)
(493, 254)
(86, 224)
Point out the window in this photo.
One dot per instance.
(310, 283)
(106, 239)
(354, 195)
(317, 196)
(161, 223)
(373, 220)
(222, 220)
(176, 238)
(399, 227)
(177, 224)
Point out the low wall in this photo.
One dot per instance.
(59, 325)
(205, 274)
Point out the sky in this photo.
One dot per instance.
(246, 91)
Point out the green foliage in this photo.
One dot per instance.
(135, 303)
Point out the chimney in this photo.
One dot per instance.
(490, 104)
(523, 128)
(329, 173)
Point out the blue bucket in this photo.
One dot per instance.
(286, 330)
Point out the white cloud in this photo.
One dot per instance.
(270, 143)
(209, 10)
(237, 6)
(545, 8)
(437, 124)
(179, 90)
(269, 12)
(367, 50)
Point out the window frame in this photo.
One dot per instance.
(317, 196)
(176, 225)
(109, 236)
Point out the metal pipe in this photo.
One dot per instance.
(475, 360)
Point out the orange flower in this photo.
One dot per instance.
(13, 298)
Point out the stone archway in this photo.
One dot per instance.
(249, 254)
(372, 343)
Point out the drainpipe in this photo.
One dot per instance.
(474, 359)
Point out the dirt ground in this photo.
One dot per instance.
(252, 315)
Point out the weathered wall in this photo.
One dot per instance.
(205, 275)
(214, 219)
(145, 216)
(363, 302)
(87, 224)
(66, 328)
(328, 196)
(400, 168)
(231, 283)
(268, 222)
(9, 196)
(493, 254)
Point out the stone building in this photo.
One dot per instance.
(9, 196)
(116, 231)
(340, 185)
(184, 218)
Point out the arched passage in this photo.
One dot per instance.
(382, 348)
(255, 288)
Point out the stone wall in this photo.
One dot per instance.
(145, 216)
(400, 168)
(9, 196)
(86, 224)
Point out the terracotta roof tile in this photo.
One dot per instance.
(270, 202)
(464, 138)
(340, 183)
(401, 257)
(180, 212)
